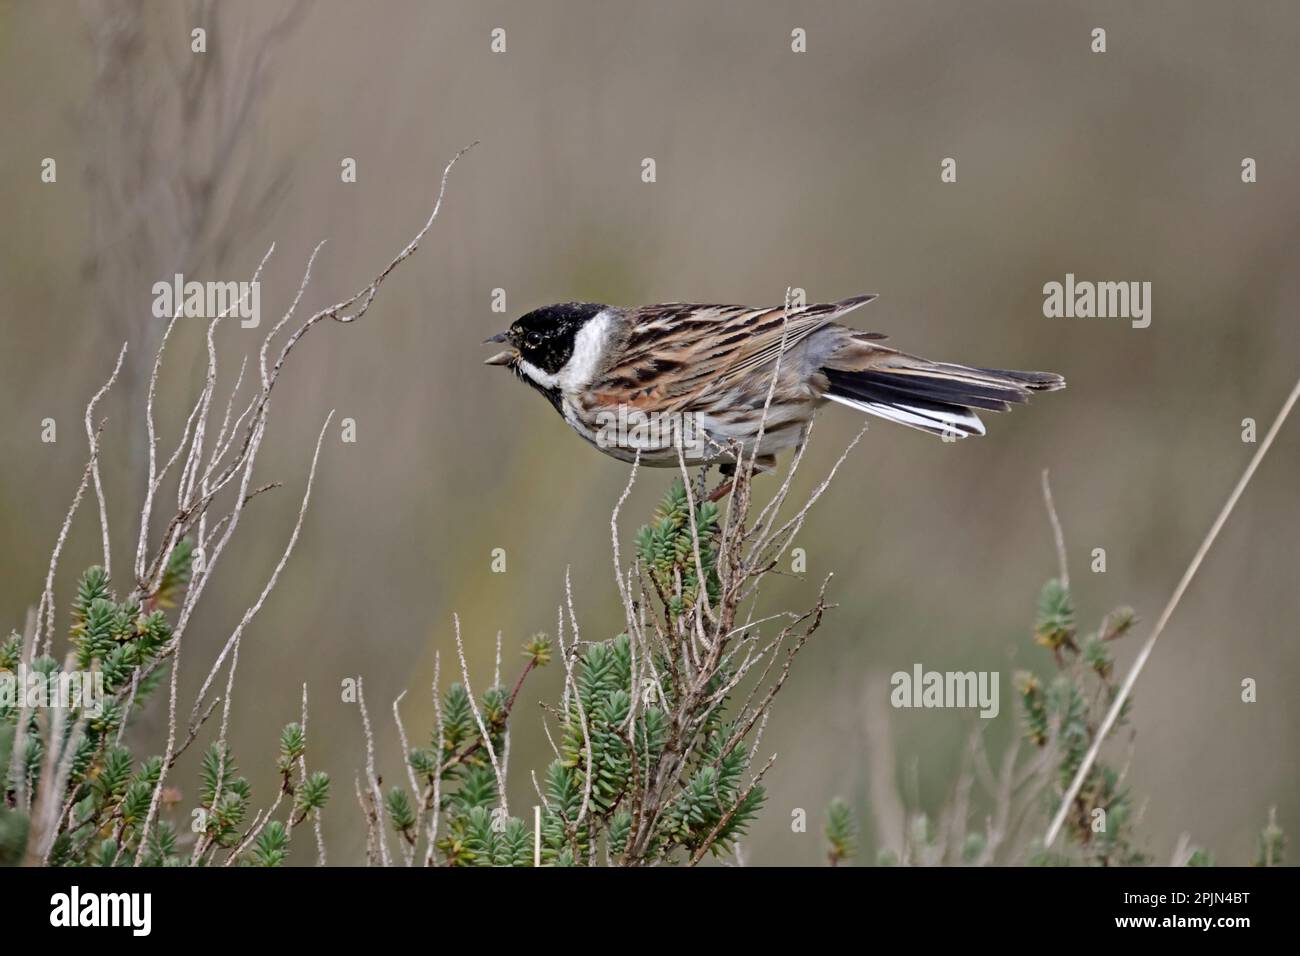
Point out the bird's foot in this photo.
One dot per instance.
(722, 490)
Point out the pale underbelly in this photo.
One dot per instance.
(703, 436)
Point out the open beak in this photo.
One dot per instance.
(501, 358)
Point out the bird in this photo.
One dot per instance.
(678, 383)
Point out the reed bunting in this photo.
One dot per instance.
(634, 381)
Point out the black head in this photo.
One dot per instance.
(544, 337)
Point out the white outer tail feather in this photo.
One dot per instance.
(962, 424)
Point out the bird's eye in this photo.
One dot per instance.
(533, 339)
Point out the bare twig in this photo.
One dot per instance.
(1057, 533)
(92, 437)
(1145, 653)
(372, 778)
(478, 718)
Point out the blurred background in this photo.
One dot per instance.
(818, 170)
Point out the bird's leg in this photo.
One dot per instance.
(720, 492)
(728, 471)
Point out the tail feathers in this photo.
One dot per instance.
(935, 397)
(1034, 381)
(935, 418)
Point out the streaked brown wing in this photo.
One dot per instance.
(677, 353)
